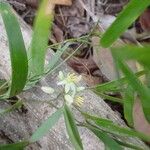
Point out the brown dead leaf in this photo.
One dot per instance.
(61, 2)
(58, 33)
(140, 122)
(72, 20)
(81, 65)
(91, 80)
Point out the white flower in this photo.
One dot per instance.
(47, 89)
(69, 100)
(71, 78)
(69, 82)
(70, 88)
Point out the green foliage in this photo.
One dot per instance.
(110, 127)
(46, 126)
(129, 97)
(37, 52)
(17, 49)
(141, 55)
(15, 146)
(72, 129)
(111, 145)
(130, 13)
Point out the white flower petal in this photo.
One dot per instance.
(81, 88)
(68, 99)
(62, 82)
(73, 89)
(61, 75)
(79, 78)
(67, 88)
(47, 89)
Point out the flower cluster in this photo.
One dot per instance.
(71, 90)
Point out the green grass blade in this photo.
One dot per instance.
(136, 84)
(106, 139)
(131, 12)
(72, 129)
(110, 98)
(140, 54)
(56, 57)
(37, 52)
(19, 62)
(46, 126)
(129, 145)
(128, 105)
(3, 86)
(14, 146)
(110, 127)
(113, 85)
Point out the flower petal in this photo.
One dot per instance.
(67, 88)
(78, 78)
(62, 82)
(81, 88)
(68, 99)
(61, 75)
(47, 89)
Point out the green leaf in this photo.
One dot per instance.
(110, 98)
(131, 12)
(130, 145)
(72, 129)
(140, 54)
(136, 84)
(46, 126)
(110, 127)
(37, 52)
(107, 140)
(14, 146)
(56, 57)
(114, 85)
(19, 62)
(128, 105)
(3, 86)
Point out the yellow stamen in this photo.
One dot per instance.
(79, 101)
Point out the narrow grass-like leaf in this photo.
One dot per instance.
(130, 13)
(56, 57)
(128, 105)
(110, 98)
(14, 146)
(106, 139)
(110, 127)
(140, 54)
(13, 107)
(131, 146)
(3, 86)
(136, 84)
(72, 129)
(46, 126)
(114, 85)
(37, 52)
(19, 62)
